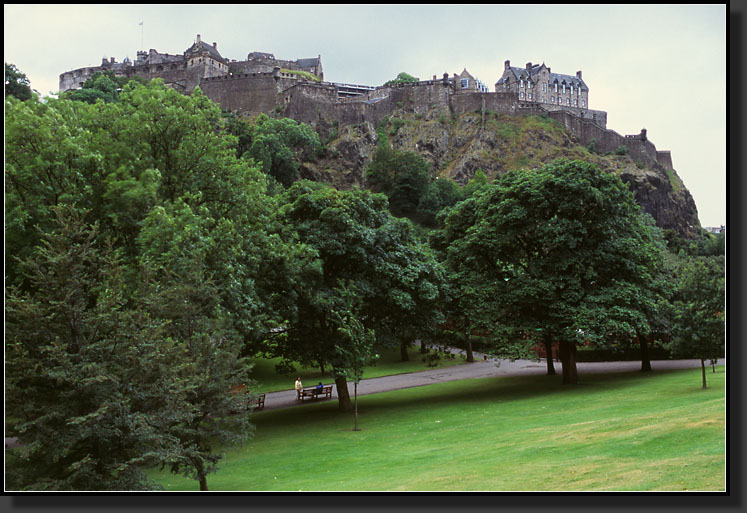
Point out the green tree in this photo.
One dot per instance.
(401, 175)
(403, 78)
(358, 247)
(279, 145)
(563, 249)
(91, 381)
(439, 194)
(699, 304)
(16, 83)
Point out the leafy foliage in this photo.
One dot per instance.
(563, 249)
(403, 78)
(16, 83)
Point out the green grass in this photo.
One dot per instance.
(388, 364)
(623, 431)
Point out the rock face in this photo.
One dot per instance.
(457, 146)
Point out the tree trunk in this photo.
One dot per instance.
(548, 354)
(201, 475)
(403, 351)
(470, 356)
(343, 396)
(702, 364)
(356, 408)
(321, 368)
(645, 357)
(567, 351)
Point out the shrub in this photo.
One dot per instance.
(621, 150)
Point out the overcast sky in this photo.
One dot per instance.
(659, 67)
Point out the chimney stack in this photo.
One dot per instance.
(198, 38)
(578, 74)
(215, 45)
(529, 65)
(506, 64)
(112, 60)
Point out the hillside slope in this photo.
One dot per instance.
(457, 146)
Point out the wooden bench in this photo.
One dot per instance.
(316, 393)
(257, 402)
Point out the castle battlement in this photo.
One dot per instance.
(296, 89)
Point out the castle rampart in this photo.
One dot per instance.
(262, 83)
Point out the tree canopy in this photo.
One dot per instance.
(563, 249)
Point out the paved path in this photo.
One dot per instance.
(480, 369)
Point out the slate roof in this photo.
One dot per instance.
(263, 55)
(523, 73)
(203, 46)
(308, 63)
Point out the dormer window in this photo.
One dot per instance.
(563, 88)
(571, 89)
(465, 83)
(521, 83)
(556, 87)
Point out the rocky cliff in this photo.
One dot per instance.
(457, 146)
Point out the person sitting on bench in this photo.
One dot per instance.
(318, 389)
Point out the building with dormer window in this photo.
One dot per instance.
(538, 83)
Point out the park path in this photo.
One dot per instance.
(481, 368)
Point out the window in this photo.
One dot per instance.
(556, 87)
(544, 88)
(571, 89)
(465, 83)
(560, 100)
(521, 95)
(552, 99)
(521, 83)
(567, 101)
(583, 103)
(529, 96)
(529, 84)
(563, 88)
(575, 103)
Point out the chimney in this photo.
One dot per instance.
(506, 64)
(529, 65)
(198, 38)
(112, 60)
(578, 74)
(215, 45)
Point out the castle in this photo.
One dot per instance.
(296, 89)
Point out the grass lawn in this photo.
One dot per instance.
(622, 431)
(389, 363)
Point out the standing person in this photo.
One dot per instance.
(299, 387)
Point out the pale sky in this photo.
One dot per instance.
(659, 67)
